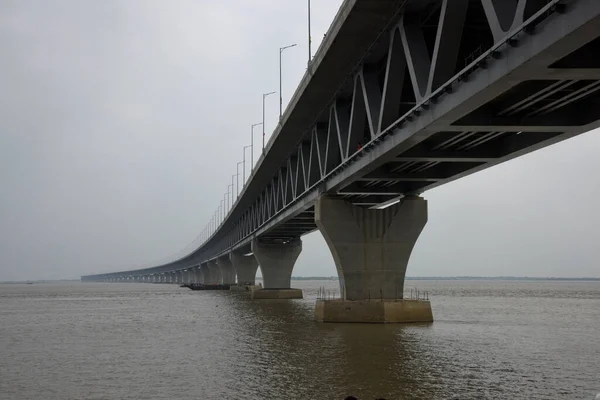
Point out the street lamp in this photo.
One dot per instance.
(252, 141)
(309, 38)
(263, 121)
(226, 208)
(281, 49)
(237, 177)
(232, 189)
(244, 169)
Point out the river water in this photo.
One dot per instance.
(490, 340)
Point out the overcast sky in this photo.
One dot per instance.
(121, 123)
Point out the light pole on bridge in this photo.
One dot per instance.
(263, 121)
(232, 190)
(244, 169)
(309, 38)
(252, 142)
(237, 178)
(229, 197)
(221, 208)
(281, 49)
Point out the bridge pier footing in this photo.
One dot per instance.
(371, 249)
(276, 262)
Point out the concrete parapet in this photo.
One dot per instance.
(277, 294)
(378, 312)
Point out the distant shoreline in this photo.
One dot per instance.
(408, 278)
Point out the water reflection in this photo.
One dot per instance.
(305, 357)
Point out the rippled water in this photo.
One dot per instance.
(504, 340)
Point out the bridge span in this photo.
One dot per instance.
(401, 97)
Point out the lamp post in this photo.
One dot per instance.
(281, 49)
(244, 169)
(252, 142)
(263, 121)
(222, 209)
(232, 189)
(237, 178)
(309, 38)
(226, 210)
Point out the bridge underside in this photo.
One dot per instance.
(407, 96)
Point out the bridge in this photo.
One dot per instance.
(401, 97)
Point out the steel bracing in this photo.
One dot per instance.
(404, 96)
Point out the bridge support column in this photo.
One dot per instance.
(197, 274)
(215, 273)
(226, 270)
(245, 269)
(205, 271)
(276, 262)
(371, 249)
(194, 274)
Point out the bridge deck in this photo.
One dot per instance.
(399, 100)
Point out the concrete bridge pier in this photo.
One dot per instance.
(195, 274)
(276, 262)
(189, 275)
(371, 249)
(226, 270)
(245, 269)
(215, 272)
(205, 272)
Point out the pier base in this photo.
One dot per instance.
(244, 288)
(277, 294)
(378, 312)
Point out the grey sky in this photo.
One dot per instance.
(121, 123)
